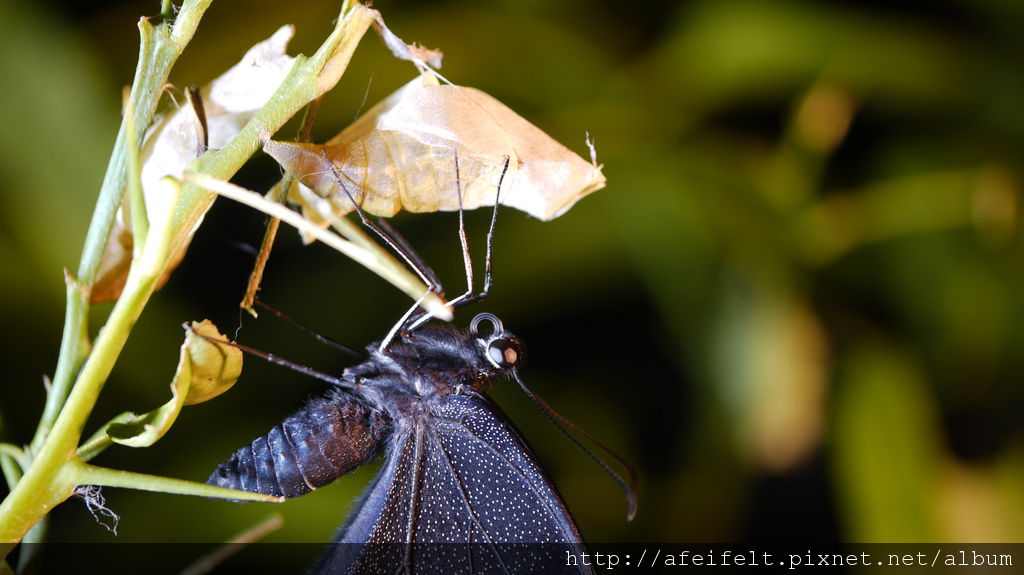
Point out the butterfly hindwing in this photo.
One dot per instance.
(462, 486)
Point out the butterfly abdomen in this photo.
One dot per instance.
(314, 446)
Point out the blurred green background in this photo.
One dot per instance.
(797, 308)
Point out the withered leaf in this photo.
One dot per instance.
(174, 141)
(401, 156)
(206, 369)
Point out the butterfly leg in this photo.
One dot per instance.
(395, 241)
(399, 245)
(470, 297)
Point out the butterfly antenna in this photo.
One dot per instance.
(558, 421)
(316, 335)
(271, 358)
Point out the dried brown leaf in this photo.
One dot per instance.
(174, 141)
(401, 155)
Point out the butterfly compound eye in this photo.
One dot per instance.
(503, 350)
(504, 353)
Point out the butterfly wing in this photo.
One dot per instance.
(465, 489)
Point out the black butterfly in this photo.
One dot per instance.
(456, 471)
(460, 491)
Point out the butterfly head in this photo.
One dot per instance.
(502, 348)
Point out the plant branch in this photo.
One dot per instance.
(86, 474)
(280, 193)
(48, 481)
(159, 49)
(55, 470)
(374, 260)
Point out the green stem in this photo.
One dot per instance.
(95, 445)
(67, 408)
(12, 459)
(47, 481)
(10, 467)
(12, 450)
(86, 474)
(136, 203)
(159, 49)
(73, 351)
(54, 473)
(308, 79)
(43, 485)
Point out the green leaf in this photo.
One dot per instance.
(888, 456)
(206, 369)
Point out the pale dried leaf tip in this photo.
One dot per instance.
(593, 150)
(401, 156)
(422, 57)
(249, 84)
(230, 101)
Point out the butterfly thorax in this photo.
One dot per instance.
(419, 369)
